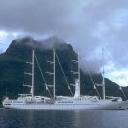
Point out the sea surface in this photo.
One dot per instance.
(63, 119)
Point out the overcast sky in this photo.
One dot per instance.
(88, 25)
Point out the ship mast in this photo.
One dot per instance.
(32, 73)
(54, 74)
(103, 79)
(79, 69)
(77, 81)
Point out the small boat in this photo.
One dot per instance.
(75, 102)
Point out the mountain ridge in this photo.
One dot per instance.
(12, 66)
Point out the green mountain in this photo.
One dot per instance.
(13, 66)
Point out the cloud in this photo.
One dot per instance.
(38, 16)
(87, 25)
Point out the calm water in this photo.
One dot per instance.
(63, 119)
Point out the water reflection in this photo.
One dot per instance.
(63, 119)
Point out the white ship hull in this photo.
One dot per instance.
(117, 106)
(66, 105)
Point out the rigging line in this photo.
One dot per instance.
(94, 84)
(110, 58)
(125, 78)
(64, 74)
(122, 91)
(43, 76)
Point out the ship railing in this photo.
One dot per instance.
(114, 98)
(23, 95)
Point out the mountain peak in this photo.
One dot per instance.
(47, 44)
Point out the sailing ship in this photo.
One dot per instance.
(75, 102)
